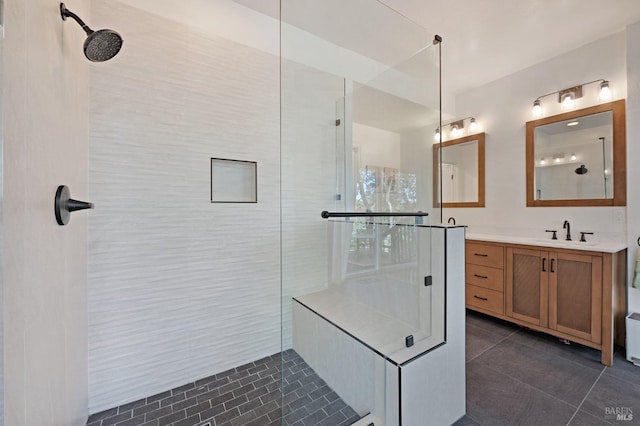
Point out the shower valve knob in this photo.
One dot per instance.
(64, 205)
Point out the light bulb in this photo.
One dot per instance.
(542, 162)
(557, 160)
(605, 92)
(473, 126)
(437, 134)
(573, 157)
(455, 132)
(567, 101)
(537, 109)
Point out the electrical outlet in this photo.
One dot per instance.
(618, 215)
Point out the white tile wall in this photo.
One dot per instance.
(179, 288)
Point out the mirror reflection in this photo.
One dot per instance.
(462, 171)
(577, 158)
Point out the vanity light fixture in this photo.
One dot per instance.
(605, 92)
(568, 96)
(568, 100)
(573, 157)
(457, 128)
(537, 109)
(473, 126)
(455, 131)
(542, 162)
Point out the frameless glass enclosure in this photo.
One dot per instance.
(264, 246)
(360, 95)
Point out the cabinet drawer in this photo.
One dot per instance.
(483, 276)
(485, 255)
(483, 298)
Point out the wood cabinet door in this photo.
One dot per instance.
(575, 295)
(527, 289)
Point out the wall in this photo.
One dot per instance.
(633, 154)
(45, 97)
(503, 107)
(179, 288)
(377, 147)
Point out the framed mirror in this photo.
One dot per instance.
(578, 158)
(462, 170)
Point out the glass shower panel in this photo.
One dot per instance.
(359, 98)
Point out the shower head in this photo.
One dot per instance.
(581, 170)
(100, 45)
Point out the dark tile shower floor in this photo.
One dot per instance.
(249, 395)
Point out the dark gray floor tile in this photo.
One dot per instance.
(196, 409)
(494, 398)
(227, 416)
(260, 421)
(171, 418)
(623, 369)
(583, 418)
(136, 421)
(117, 418)
(243, 419)
(146, 408)
(102, 415)
(479, 340)
(466, 421)
(132, 405)
(557, 376)
(241, 396)
(158, 396)
(189, 421)
(551, 345)
(156, 414)
(488, 323)
(611, 396)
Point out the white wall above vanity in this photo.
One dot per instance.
(504, 107)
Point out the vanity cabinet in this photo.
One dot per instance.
(560, 291)
(577, 295)
(484, 276)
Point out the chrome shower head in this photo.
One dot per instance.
(100, 45)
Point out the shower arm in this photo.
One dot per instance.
(64, 12)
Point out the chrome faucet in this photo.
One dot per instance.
(567, 226)
(452, 219)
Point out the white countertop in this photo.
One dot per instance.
(602, 247)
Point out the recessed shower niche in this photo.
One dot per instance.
(233, 181)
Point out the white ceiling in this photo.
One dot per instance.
(482, 40)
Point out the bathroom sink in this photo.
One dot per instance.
(606, 247)
(563, 243)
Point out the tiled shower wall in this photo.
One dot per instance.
(178, 288)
